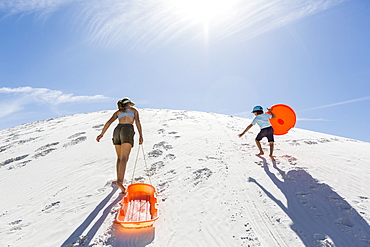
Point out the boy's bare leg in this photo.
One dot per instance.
(272, 150)
(260, 148)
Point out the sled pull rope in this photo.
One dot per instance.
(146, 166)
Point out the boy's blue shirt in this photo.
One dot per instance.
(262, 120)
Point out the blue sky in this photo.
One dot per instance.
(61, 57)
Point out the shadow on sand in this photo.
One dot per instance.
(84, 240)
(120, 237)
(320, 216)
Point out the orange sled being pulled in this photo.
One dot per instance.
(138, 207)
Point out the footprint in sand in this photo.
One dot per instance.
(47, 146)
(294, 143)
(163, 186)
(174, 133)
(139, 179)
(48, 208)
(201, 175)
(98, 127)
(15, 222)
(155, 153)
(43, 153)
(323, 240)
(310, 142)
(163, 145)
(170, 157)
(155, 167)
(4, 148)
(76, 135)
(75, 141)
(17, 225)
(8, 161)
(292, 160)
(250, 238)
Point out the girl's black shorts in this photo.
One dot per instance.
(123, 133)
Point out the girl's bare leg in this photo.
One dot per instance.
(123, 153)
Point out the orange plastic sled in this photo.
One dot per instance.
(285, 119)
(138, 207)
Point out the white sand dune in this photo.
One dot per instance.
(56, 190)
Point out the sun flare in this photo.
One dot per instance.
(203, 10)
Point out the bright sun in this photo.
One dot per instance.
(203, 10)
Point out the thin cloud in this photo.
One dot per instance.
(339, 103)
(144, 23)
(41, 6)
(24, 96)
(9, 107)
(45, 95)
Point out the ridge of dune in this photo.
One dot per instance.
(213, 190)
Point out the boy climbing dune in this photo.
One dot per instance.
(262, 119)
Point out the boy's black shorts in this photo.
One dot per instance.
(123, 133)
(266, 132)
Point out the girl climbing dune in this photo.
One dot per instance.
(262, 119)
(123, 136)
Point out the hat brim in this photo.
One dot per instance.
(128, 101)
